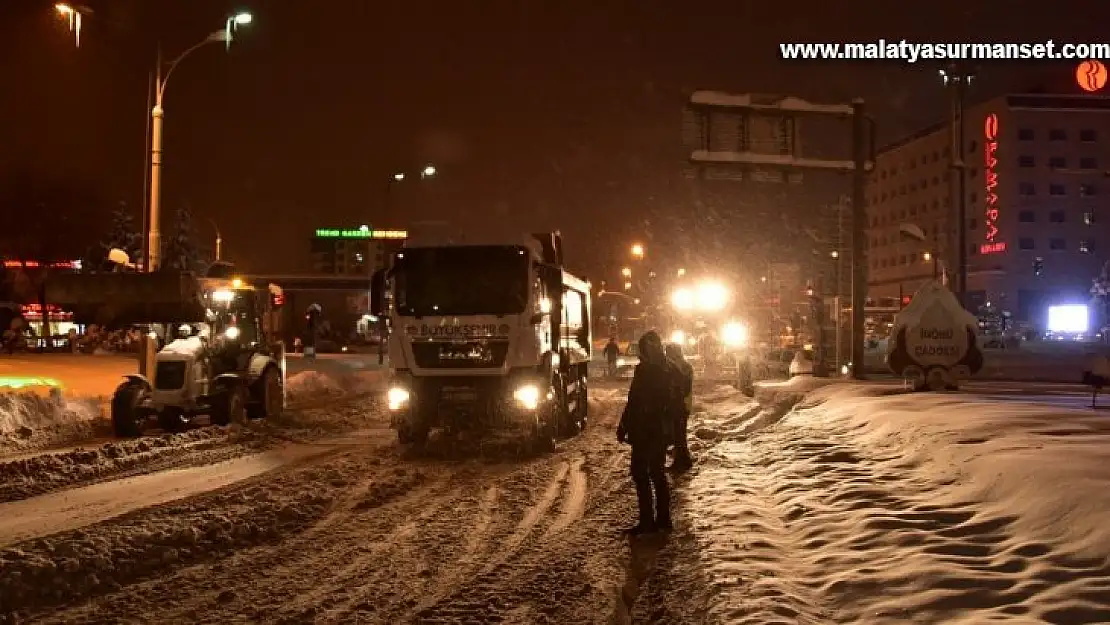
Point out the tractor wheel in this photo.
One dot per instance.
(127, 422)
(269, 400)
(229, 404)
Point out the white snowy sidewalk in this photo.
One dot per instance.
(864, 506)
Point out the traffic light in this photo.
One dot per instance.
(1038, 266)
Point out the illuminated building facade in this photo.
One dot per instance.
(357, 252)
(1038, 168)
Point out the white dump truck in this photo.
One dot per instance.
(486, 336)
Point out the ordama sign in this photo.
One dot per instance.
(993, 244)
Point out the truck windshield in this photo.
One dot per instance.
(467, 280)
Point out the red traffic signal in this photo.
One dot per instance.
(277, 299)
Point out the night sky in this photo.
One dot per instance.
(538, 114)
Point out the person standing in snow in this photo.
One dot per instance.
(647, 425)
(683, 375)
(612, 350)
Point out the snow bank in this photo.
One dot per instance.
(34, 475)
(59, 569)
(867, 505)
(32, 420)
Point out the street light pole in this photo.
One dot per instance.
(219, 239)
(157, 113)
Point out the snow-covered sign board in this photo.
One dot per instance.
(934, 340)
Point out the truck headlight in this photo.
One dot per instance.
(527, 396)
(678, 337)
(397, 397)
(232, 332)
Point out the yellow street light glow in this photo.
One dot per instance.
(627, 286)
(626, 272)
(678, 337)
(244, 18)
(638, 250)
(927, 256)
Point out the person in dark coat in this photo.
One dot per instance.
(647, 425)
(683, 375)
(612, 350)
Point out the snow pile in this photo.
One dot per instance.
(313, 386)
(34, 475)
(867, 505)
(30, 420)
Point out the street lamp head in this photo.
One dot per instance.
(64, 9)
(626, 272)
(428, 171)
(637, 250)
(243, 18)
(398, 177)
(911, 231)
(834, 254)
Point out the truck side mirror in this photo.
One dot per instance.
(377, 293)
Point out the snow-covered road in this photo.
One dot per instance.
(834, 505)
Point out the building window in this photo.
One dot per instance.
(1026, 244)
(1057, 162)
(1087, 190)
(972, 146)
(1088, 162)
(1088, 136)
(972, 198)
(972, 249)
(1027, 217)
(1057, 134)
(1026, 188)
(1085, 247)
(936, 180)
(1056, 189)
(1025, 134)
(936, 156)
(1057, 244)
(1026, 161)
(1056, 217)
(1089, 218)
(972, 224)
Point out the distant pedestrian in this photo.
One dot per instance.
(612, 350)
(682, 405)
(647, 426)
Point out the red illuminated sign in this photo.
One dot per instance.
(990, 170)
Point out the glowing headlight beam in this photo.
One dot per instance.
(397, 397)
(528, 396)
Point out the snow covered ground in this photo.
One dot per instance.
(818, 503)
(867, 505)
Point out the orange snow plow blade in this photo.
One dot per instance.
(128, 298)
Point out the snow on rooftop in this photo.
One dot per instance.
(775, 160)
(864, 504)
(767, 103)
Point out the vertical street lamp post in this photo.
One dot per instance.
(219, 239)
(157, 113)
(957, 78)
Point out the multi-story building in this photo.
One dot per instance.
(1038, 167)
(357, 252)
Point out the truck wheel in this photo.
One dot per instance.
(582, 405)
(413, 430)
(127, 422)
(547, 427)
(229, 404)
(269, 396)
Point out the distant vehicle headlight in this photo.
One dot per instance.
(397, 397)
(232, 332)
(734, 334)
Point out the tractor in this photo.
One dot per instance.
(214, 358)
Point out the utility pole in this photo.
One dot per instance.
(860, 154)
(957, 78)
